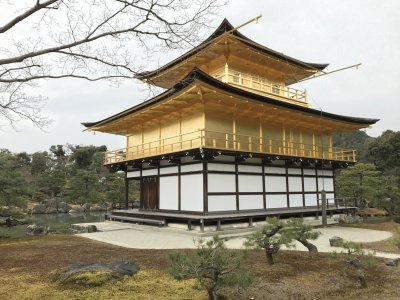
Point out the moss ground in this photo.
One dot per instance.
(29, 269)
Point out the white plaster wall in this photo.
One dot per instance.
(169, 192)
(250, 169)
(250, 183)
(275, 170)
(309, 172)
(221, 183)
(192, 192)
(294, 171)
(295, 184)
(276, 201)
(221, 203)
(275, 184)
(221, 167)
(150, 172)
(310, 199)
(133, 174)
(169, 170)
(328, 184)
(191, 168)
(310, 184)
(325, 172)
(296, 200)
(251, 202)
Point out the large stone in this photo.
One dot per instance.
(50, 203)
(51, 210)
(63, 207)
(393, 262)
(98, 208)
(95, 274)
(86, 207)
(76, 228)
(38, 209)
(76, 210)
(35, 230)
(11, 211)
(349, 219)
(336, 241)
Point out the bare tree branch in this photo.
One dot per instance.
(38, 6)
(88, 39)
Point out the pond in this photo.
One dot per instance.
(54, 222)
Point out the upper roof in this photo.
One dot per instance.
(208, 50)
(199, 78)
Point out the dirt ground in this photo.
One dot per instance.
(29, 266)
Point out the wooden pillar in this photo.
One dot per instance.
(205, 187)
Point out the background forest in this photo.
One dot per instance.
(76, 174)
(72, 173)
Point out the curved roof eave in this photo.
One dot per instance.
(221, 29)
(198, 75)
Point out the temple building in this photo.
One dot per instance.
(229, 137)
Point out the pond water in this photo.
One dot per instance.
(54, 222)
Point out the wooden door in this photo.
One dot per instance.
(148, 193)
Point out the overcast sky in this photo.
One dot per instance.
(339, 32)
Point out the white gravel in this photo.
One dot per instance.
(149, 237)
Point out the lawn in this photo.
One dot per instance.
(29, 269)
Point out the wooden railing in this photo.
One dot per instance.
(228, 141)
(265, 88)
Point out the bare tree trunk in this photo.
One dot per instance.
(311, 247)
(270, 258)
(212, 295)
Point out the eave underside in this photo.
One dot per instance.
(202, 96)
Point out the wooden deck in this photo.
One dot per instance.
(162, 218)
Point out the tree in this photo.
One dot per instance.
(361, 182)
(87, 39)
(301, 232)
(267, 238)
(359, 260)
(213, 265)
(357, 140)
(388, 195)
(384, 152)
(14, 189)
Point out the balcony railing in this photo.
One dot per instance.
(228, 141)
(265, 88)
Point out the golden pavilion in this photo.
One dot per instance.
(229, 138)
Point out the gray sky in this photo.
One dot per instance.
(339, 32)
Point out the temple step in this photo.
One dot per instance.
(158, 222)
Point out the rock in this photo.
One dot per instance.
(35, 230)
(38, 209)
(349, 219)
(336, 241)
(11, 211)
(76, 210)
(63, 207)
(76, 228)
(9, 222)
(86, 207)
(98, 208)
(393, 262)
(51, 210)
(96, 274)
(50, 203)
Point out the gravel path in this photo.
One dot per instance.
(148, 237)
